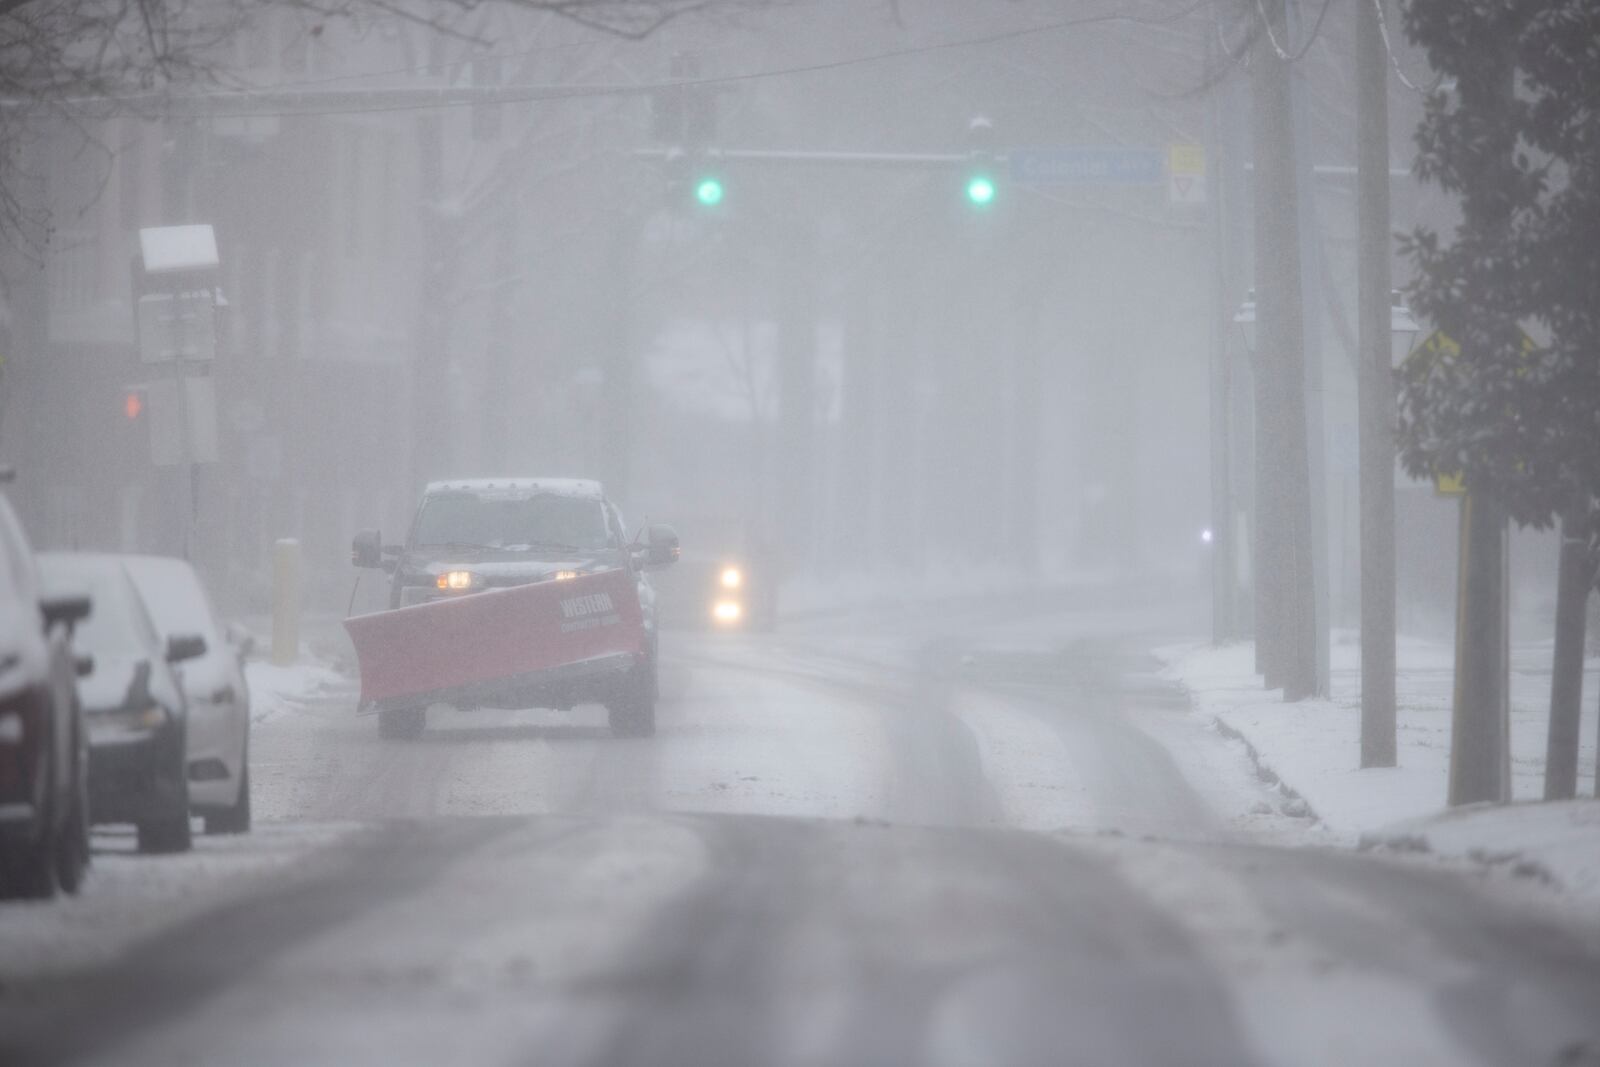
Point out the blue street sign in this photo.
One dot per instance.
(1087, 166)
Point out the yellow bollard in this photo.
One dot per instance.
(285, 602)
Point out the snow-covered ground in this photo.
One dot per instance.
(128, 897)
(1312, 747)
(274, 688)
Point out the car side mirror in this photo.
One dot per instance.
(661, 547)
(182, 647)
(366, 550)
(64, 609)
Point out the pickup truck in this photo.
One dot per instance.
(521, 592)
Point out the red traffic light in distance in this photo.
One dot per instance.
(133, 404)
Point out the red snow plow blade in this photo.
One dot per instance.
(556, 642)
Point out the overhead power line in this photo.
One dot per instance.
(1394, 61)
(1299, 53)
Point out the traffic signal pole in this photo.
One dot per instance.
(1376, 394)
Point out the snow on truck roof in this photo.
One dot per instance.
(576, 487)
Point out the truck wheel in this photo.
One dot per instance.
(167, 835)
(632, 712)
(30, 873)
(235, 819)
(402, 724)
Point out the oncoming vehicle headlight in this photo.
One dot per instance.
(456, 581)
(727, 612)
(566, 576)
(732, 578)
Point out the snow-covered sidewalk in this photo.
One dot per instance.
(1313, 748)
(273, 688)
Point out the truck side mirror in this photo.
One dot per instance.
(367, 549)
(182, 647)
(661, 547)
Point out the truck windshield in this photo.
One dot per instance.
(526, 522)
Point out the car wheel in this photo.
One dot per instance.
(632, 712)
(30, 872)
(236, 819)
(72, 850)
(402, 724)
(168, 835)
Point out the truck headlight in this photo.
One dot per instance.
(732, 577)
(456, 581)
(727, 612)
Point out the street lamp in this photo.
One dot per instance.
(1245, 319)
(1403, 328)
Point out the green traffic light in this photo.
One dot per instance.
(980, 190)
(708, 192)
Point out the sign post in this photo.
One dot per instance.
(176, 309)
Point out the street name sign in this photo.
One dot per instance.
(1087, 165)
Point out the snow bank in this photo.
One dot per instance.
(273, 688)
(1556, 843)
(1313, 747)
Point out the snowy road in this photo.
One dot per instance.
(987, 834)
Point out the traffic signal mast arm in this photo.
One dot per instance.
(789, 157)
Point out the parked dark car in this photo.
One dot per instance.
(44, 824)
(133, 702)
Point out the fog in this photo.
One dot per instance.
(846, 350)
(962, 331)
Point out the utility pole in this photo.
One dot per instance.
(1285, 511)
(1308, 241)
(1224, 539)
(498, 358)
(797, 384)
(1376, 392)
(618, 373)
(1026, 401)
(1480, 754)
(429, 373)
